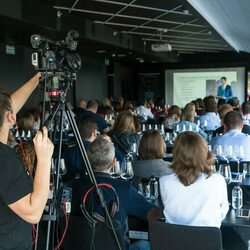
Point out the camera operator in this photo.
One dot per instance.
(21, 201)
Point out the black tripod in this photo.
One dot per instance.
(65, 108)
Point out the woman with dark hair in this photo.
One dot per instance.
(213, 120)
(174, 115)
(193, 195)
(123, 133)
(127, 105)
(200, 107)
(151, 152)
(21, 201)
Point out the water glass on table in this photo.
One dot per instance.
(225, 171)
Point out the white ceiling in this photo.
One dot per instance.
(230, 18)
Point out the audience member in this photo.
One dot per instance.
(123, 133)
(127, 106)
(153, 109)
(174, 115)
(102, 158)
(143, 111)
(193, 195)
(82, 105)
(137, 124)
(105, 102)
(246, 112)
(26, 122)
(221, 102)
(200, 107)
(151, 152)
(187, 119)
(213, 121)
(235, 103)
(233, 124)
(87, 127)
(223, 110)
(91, 110)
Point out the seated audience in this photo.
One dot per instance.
(193, 195)
(153, 109)
(105, 102)
(101, 155)
(123, 133)
(137, 124)
(151, 152)
(174, 115)
(223, 110)
(233, 124)
(213, 121)
(117, 107)
(221, 102)
(246, 112)
(87, 127)
(200, 107)
(187, 119)
(143, 111)
(235, 103)
(127, 106)
(91, 110)
(82, 105)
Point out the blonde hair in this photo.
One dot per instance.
(188, 113)
(124, 122)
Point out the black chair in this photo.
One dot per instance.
(164, 236)
(80, 236)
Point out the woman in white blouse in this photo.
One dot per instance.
(193, 195)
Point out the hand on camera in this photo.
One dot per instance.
(43, 145)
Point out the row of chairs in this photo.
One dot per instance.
(162, 236)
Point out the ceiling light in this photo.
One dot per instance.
(141, 60)
(121, 55)
(101, 51)
(186, 11)
(113, 55)
(165, 30)
(209, 32)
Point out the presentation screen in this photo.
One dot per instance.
(188, 85)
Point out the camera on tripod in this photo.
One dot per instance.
(56, 57)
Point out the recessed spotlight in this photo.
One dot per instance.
(141, 60)
(165, 30)
(209, 32)
(115, 33)
(185, 11)
(113, 55)
(101, 51)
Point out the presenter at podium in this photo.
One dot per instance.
(225, 91)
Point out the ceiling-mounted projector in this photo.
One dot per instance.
(161, 47)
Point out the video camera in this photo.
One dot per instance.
(56, 56)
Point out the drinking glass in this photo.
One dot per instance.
(147, 192)
(127, 170)
(218, 153)
(184, 128)
(140, 188)
(238, 155)
(245, 169)
(228, 153)
(115, 172)
(225, 171)
(190, 128)
(177, 128)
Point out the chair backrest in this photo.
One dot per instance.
(165, 236)
(80, 235)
